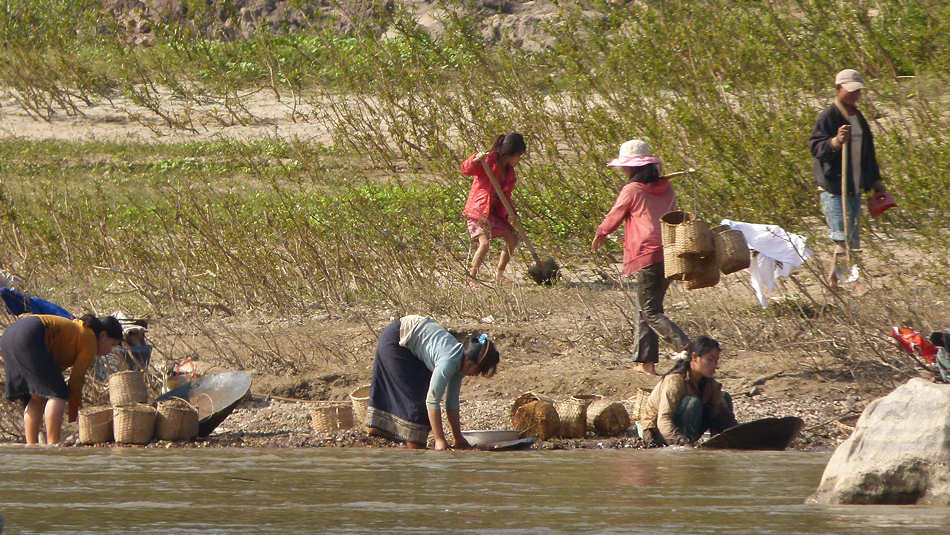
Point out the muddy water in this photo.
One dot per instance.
(300, 491)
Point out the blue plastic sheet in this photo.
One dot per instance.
(19, 303)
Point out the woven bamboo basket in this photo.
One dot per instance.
(95, 425)
(134, 424)
(360, 400)
(684, 267)
(706, 276)
(537, 418)
(683, 234)
(331, 416)
(639, 400)
(176, 420)
(572, 414)
(607, 418)
(670, 223)
(127, 388)
(527, 397)
(732, 251)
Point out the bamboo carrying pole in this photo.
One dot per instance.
(845, 147)
(850, 272)
(542, 272)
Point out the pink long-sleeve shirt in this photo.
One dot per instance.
(639, 206)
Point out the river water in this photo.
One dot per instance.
(296, 491)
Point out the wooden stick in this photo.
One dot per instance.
(511, 210)
(678, 173)
(844, 201)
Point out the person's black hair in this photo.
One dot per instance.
(107, 324)
(508, 144)
(645, 174)
(472, 349)
(701, 345)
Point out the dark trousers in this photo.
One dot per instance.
(693, 418)
(649, 287)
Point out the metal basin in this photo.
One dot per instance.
(488, 437)
(214, 396)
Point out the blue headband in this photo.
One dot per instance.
(483, 339)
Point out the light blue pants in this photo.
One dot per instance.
(831, 206)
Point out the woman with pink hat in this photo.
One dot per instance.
(639, 206)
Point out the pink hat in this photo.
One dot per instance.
(850, 80)
(634, 153)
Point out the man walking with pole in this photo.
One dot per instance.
(842, 138)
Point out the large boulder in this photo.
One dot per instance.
(899, 452)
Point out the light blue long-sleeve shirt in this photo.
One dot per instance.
(442, 354)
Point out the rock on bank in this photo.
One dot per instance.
(899, 452)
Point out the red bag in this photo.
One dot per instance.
(880, 202)
(912, 342)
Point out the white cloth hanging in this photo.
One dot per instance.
(778, 253)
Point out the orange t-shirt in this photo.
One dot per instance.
(73, 345)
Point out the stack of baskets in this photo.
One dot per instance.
(131, 420)
(696, 253)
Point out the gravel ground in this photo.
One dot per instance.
(263, 422)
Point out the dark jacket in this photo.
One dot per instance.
(827, 166)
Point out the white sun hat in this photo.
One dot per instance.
(634, 153)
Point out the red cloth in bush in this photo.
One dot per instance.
(912, 342)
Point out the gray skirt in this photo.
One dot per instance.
(30, 367)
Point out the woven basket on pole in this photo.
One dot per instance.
(127, 388)
(732, 251)
(707, 275)
(360, 400)
(176, 420)
(134, 424)
(670, 223)
(683, 234)
(95, 425)
(331, 416)
(607, 418)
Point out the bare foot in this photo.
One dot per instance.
(646, 368)
(503, 281)
(473, 284)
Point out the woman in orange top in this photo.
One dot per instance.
(36, 349)
(487, 216)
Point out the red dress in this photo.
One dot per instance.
(483, 208)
